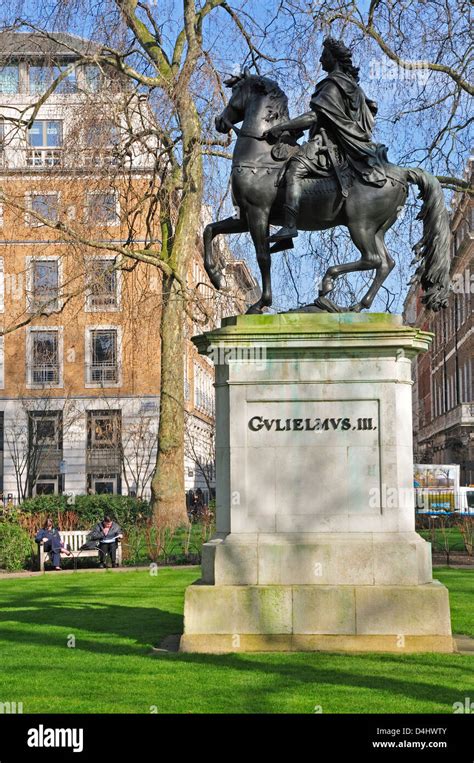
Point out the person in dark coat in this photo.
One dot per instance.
(50, 538)
(108, 533)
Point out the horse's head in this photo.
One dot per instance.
(245, 87)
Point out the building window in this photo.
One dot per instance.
(45, 452)
(103, 367)
(104, 451)
(101, 208)
(9, 79)
(44, 357)
(93, 78)
(45, 133)
(44, 285)
(203, 391)
(68, 84)
(44, 204)
(42, 77)
(101, 135)
(45, 140)
(104, 429)
(103, 293)
(101, 142)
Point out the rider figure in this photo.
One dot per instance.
(343, 113)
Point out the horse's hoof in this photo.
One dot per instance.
(254, 310)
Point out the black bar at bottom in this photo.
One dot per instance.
(99, 737)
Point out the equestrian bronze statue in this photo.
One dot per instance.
(338, 177)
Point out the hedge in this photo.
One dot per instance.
(15, 547)
(90, 509)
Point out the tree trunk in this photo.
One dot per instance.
(167, 486)
(168, 494)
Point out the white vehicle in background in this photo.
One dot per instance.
(437, 490)
(464, 500)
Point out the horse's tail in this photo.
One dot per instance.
(432, 251)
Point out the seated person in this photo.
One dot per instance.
(107, 533)
(50, 538)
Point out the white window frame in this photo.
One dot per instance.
(45, 156)
(31, 221)
(54, 480)
(30, 331)
(43, 147)
(88, 384)
(203, 397)
(30, 260)
(107, 224)
(12, 65)
(113, 479)
(114, 414)
(90, 308)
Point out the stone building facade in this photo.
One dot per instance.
(79, 355)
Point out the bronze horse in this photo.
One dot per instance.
(368, 211)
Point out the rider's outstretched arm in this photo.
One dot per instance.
(303, 122)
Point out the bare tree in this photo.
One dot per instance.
(170, 55)
(138, 448)
(200, 448)
(168, 64)
(34, 439)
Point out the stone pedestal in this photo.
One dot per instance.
(316, 546)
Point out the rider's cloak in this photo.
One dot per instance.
(344, 111)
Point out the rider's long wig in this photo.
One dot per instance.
(343, 56)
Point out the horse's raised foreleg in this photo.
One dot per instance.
(229, 225)
(258, 226)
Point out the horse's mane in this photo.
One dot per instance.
(278, 106)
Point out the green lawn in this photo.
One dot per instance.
(116, 617)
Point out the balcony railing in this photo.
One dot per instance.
(44, 157)
(62, 158)
(102, 301)
(95, 157)
(104, 460)
(46, 373)
(460, 415)
(48, 460)
(103, 372)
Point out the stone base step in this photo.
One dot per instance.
(225, 643)
(311, 617)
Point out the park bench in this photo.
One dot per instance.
(74, 539)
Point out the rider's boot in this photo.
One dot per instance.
(290, 208)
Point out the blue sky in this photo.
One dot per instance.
(297, 272)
